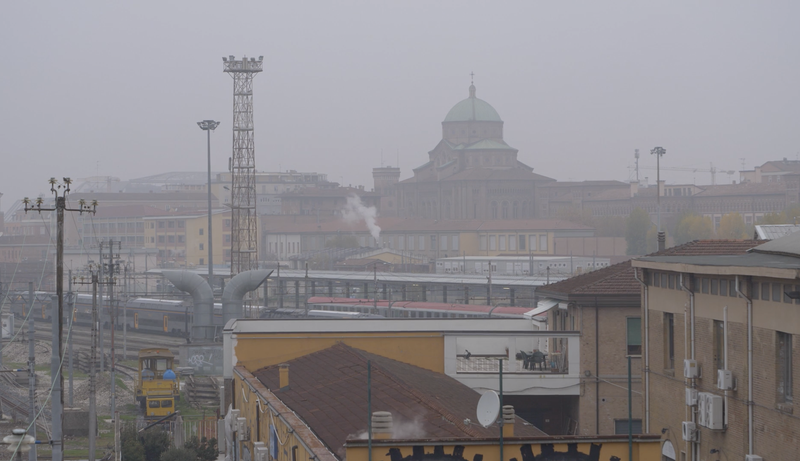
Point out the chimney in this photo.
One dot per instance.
(508, 421)
(634, 188)
(381, 425)
(284, 375)
(662, 240)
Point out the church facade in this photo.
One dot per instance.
(471, 174)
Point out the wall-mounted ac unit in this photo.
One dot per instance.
(724, 380)
(690, 369)
(691, 397)
(261, 454)
(714, 412)
(753, 458)
(702, 407)
(234, 417)
(241, 429)
(689, 431)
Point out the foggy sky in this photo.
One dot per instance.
(116, 88)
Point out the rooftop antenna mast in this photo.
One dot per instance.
(244, 226)
(636, 155)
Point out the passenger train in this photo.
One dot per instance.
(417, 309)
(151, 315)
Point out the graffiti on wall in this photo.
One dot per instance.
(547, 453)
(204, 359)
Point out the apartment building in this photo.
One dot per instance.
(720, 345)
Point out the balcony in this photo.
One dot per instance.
(474, 360)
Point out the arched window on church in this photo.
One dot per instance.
(515, 210)
(447, 210)
(494, 210)
(525, 210)
(505, 210)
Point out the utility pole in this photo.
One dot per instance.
(659, 152)
(375, 281)
(100, 326)
(112, 268)
(31, 373)
(95, 282)
(60, 191)
(71, 302)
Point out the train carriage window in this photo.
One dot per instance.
(166, 322)
(43, 314)
(135, 320)
(166, 404)
(154, 404)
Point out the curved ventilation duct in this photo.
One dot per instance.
(241, 283)
(203, 297)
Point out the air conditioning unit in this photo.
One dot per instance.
(241, 429)
(691, 397)
(702, 407)
(690, 369)
(261, 453)
(753, 458)
(714, 412)
(724, 380)
(234, 416)
(689, 431)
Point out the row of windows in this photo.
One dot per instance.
(765, 291)
(535, 242)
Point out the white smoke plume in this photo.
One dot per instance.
(355, 211)
(401, 429)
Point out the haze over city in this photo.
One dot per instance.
(116, 89)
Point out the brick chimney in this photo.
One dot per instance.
(284, 375)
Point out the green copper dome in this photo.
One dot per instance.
(472, 109)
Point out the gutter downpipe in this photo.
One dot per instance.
(596, 367)
(646, 353)
(695, 445)
(241, 283)
(202, 297)
(749, 366)
(725, 360)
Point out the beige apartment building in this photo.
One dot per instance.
(182, 240)
(720, 349)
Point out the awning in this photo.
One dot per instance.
(542, 307)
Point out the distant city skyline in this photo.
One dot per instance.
(116, 89)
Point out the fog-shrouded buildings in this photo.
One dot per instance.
(471, 174)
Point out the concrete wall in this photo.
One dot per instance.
(204, 359)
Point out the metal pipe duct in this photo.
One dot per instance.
(203, 297)
(241, 283)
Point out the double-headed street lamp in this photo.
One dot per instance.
(208, 126)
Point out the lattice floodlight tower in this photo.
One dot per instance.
(244, 225)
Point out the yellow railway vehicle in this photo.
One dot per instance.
(157, 386)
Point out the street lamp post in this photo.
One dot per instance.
(208, 126)
(658, 152)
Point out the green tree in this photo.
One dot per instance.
(638, 223)
(773, 218)
(204, 449)
(155, 442)
(731, 226)
(179, 454)
(692, 226)
(132, 449)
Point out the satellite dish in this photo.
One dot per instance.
(488, 408)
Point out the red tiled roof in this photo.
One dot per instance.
(328, 390)
(619, 278)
